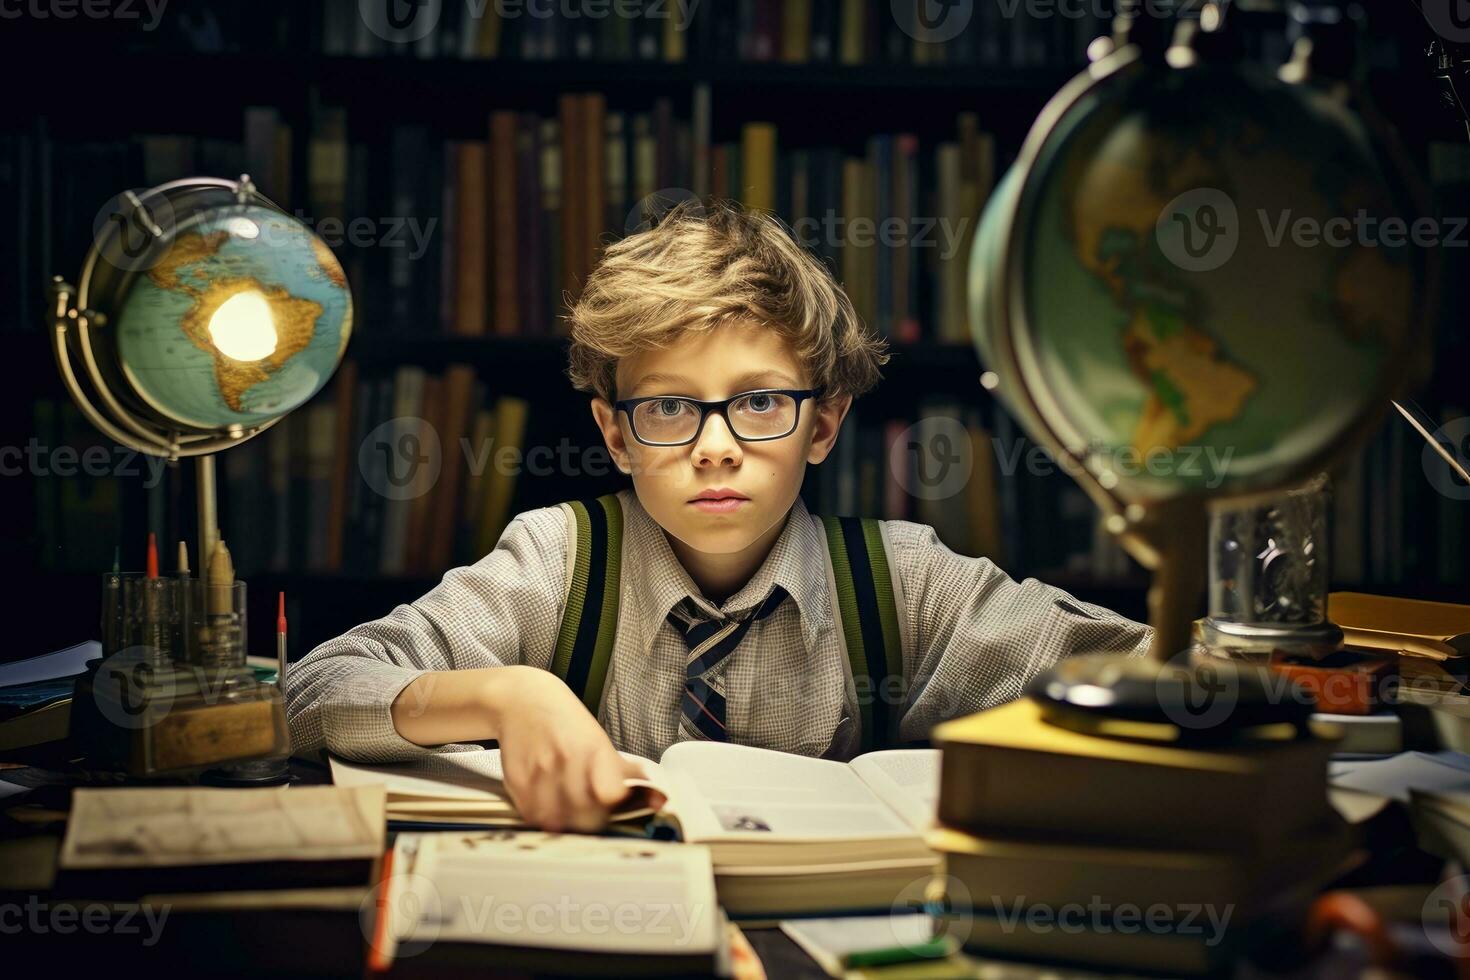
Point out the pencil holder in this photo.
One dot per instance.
(216, 624)
(150, 625)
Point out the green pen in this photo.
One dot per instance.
(936, 948)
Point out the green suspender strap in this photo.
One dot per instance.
(589, 623)
(869, 614)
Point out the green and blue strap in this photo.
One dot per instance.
(589, 624)
(869, 613)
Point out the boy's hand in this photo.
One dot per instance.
(561, 769)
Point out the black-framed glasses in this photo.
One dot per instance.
(753, 416)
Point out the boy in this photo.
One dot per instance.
(675, 323)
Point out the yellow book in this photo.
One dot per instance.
(852, 39)
(758, 166)
(796, 30)
(1437, 630)
(675, 29)
(1006, 771)
(499, 480)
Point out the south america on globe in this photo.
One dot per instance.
(240, 320)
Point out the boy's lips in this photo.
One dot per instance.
(721, 505)
(719, 501)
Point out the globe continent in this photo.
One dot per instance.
(242, 264)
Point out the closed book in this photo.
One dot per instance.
(449, 228)
(479, 461)
(531, 296)
(130, 842)
(499, 481)
(506, 248)
(880, 256)
(472, 239)
(594, 190)
(1004, 872)
(321, 433)
(421, 494)
(616, 202)
(1412, 627)
(551, 218)
(35, 713)
(459, 382)
(409, 156)
(462, 903)
(758, 166)
(573, 194)
(1009, 773)
(400, 468)
(796, 31)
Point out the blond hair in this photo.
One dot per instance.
(709, 263)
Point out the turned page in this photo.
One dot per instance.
(735, 792)
(905, 779)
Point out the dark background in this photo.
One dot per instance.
(81, 93)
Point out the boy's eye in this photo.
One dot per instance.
(669, 407)
(758, 403)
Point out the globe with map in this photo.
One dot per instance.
(240, 319)
(1204, 278)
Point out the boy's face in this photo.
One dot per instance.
(716, 364)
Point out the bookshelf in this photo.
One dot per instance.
(278, 73)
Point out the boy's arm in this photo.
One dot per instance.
(504, 609)
(977, 636)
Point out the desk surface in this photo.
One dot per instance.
(331, 940)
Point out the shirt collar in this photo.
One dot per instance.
(797, 562)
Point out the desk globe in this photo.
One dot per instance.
(1149, 312)
(204, 314)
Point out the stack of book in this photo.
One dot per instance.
(1106, 852)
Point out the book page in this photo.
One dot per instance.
(735, 792)
(472, 775)
(560, 891)
(463, 783)
(905, 779)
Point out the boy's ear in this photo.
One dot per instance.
(830, 414)
(606, 418)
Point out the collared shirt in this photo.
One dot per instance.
(971, 636)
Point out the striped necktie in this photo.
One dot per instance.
(710, 642)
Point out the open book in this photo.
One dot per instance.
(786, 833)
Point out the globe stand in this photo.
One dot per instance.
(140, 230)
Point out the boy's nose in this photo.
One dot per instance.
(716, 443)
